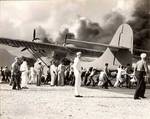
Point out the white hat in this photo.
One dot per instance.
(143, 55)
(78, 53)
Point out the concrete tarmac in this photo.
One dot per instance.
(47, 102)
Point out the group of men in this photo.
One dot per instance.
(20, 75)
(140, 71)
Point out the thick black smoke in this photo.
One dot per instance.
(61, 35)
(43, 35)
(141, 25)
(84, 29)
(87, 30)
(112, 21)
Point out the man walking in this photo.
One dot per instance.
(77, 73)
(140, 70)
(107, 71)
(16, 74)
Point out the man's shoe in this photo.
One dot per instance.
(79, 96)
(26, 88)
(18, 88)
(136, 98)
(143, 97)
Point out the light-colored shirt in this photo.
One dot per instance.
(120, 72)
(61, 68)
(77, 64)
(53, 69)
(32, 71)
(24, 67)
(39, 69)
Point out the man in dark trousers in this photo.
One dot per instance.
(107, 71)
(140, 71)
(2, 74)
(39, 70)
(15, 72)
(129, 71)
(48, 78)
(7, 74)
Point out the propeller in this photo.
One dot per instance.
(69, 36)
(34, 38)
(34, 35)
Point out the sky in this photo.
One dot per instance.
(19, 18)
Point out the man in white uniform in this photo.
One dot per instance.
(24, 74)
(33, 75)
(61, 74)
(77, 73)
(119, 79)
(53, 72)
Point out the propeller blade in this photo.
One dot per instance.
(34, 33)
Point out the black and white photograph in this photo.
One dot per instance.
(74, 59)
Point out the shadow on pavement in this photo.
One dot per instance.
(122, 90)
(107, 97)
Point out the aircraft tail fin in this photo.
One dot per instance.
(123, 37)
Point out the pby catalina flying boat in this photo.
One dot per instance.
(118, 52)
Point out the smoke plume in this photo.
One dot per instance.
(42, 35)
(112, 21)
(141, 24)
(85, 30)
(61, 35)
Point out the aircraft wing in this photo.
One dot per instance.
(48, 46)
(96, 44)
